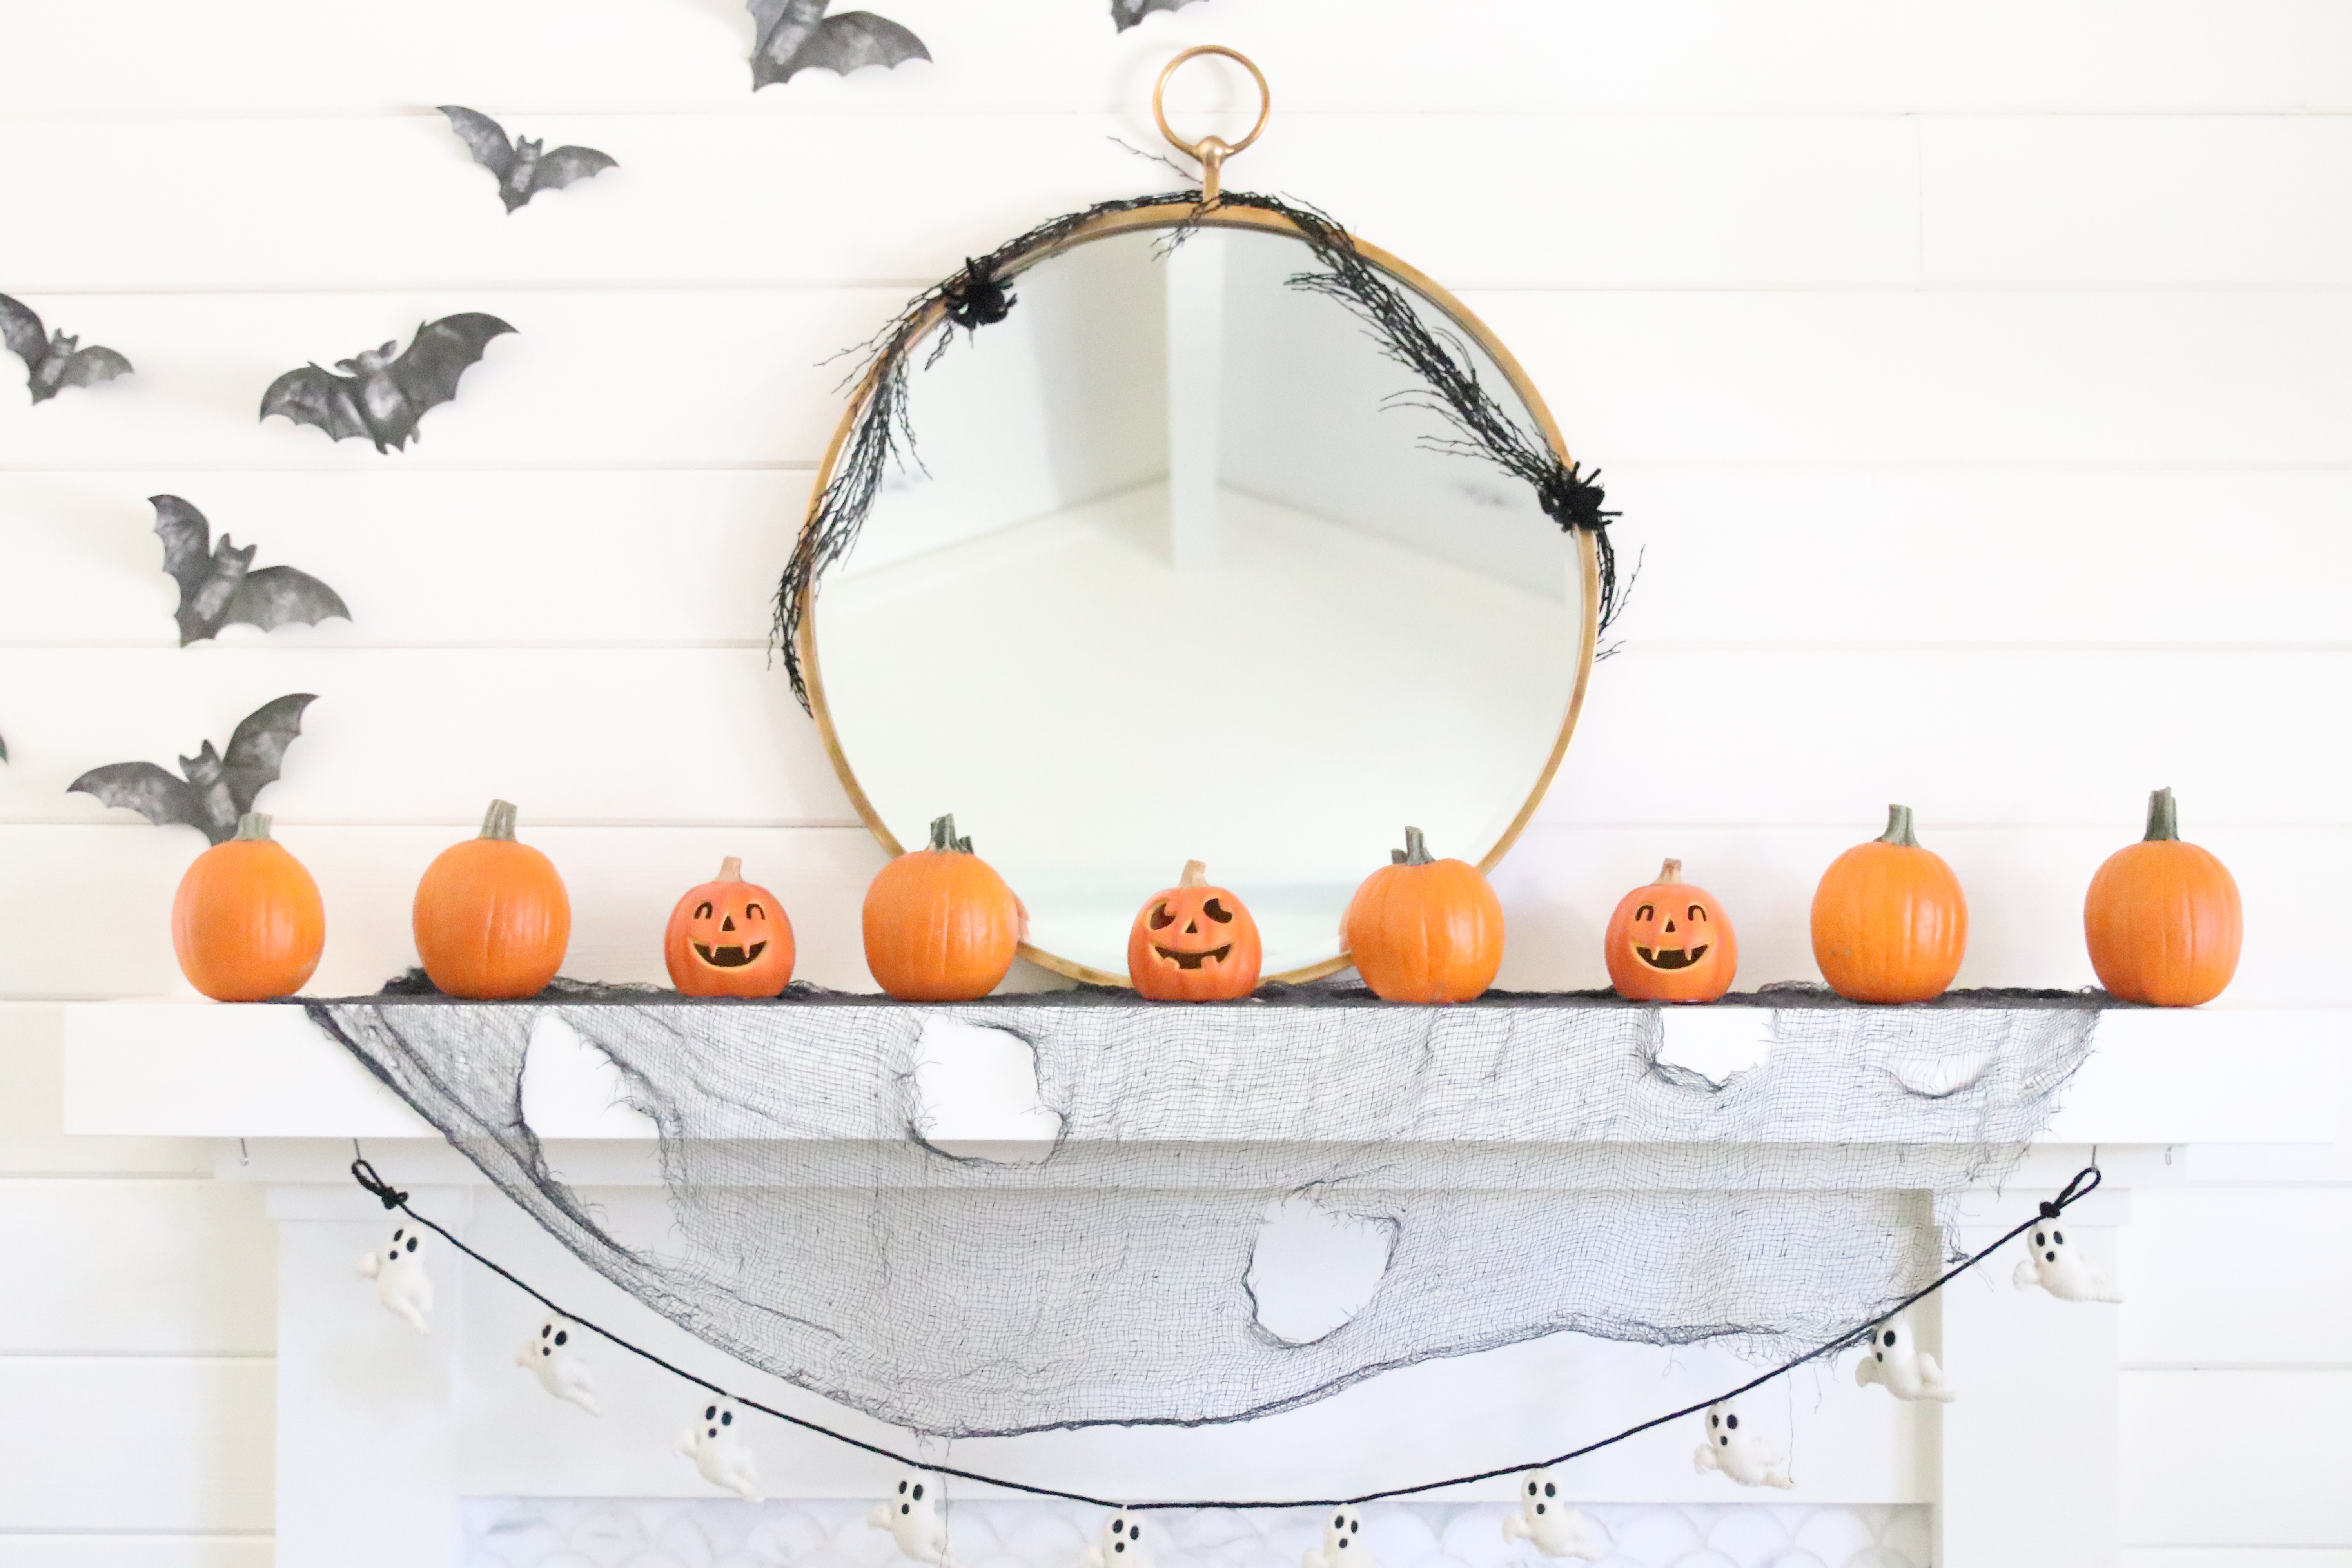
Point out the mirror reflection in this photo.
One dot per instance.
(1180, 570)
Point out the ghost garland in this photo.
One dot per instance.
(1730, 1446)
(1446, 383)
(911, 1515)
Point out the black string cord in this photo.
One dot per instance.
(2086, 1180)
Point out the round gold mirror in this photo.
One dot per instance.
(1179, 556)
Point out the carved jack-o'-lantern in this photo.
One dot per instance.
(729, 938)
(1193, 942)
(1670, 942)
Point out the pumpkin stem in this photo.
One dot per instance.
(1416, 851)
(1898, 828)
(731, 870)
(252, 826)
(943, 835)
(1196, 875)
(498, 822)
(1672, 871)
(2163, 816)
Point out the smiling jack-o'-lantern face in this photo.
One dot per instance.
(1193, 942)
(729, 938)
(1670, 942)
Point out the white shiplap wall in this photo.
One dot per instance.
(1978, 378)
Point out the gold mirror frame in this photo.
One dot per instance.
(1173, 215)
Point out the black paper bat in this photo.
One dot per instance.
(383, 396)
(795, 36)
(1127, 13)
(218, 587)
(51, 363)
(523, 168)
(219, 789)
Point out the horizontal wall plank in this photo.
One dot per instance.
(1741, 555)
(600, 735)
(2233, 1457)
(31, 1088)
(183, 1268)
(722, 376)
(622, 886)
(1982, 556)
(724, 198)
(433, 734)
(1720, 199)
(1558, 887)
(39, 1549)
(420, 556)
(730, 377)
(2024, 888)
(146, 1444)
(2182, 1309)
(1321, 53)
(2101, 201)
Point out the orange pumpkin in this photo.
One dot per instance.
(248, 924)
(729, 938)
(1421, 930)
(940, 924)
(1193, 942)
(1890, 922)
(2162, 918)
(1670, 942)
(492, 919)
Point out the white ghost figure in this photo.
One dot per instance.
(2058, 1268)
(1343, 1544)
(1893, 1361)
(1740, 1452)
(401, 1286)
(911, 1515)
(1121, 1545)
(552, 1354)
(1555, 1529)
(715, 1444)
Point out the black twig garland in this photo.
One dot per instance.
(979, 294)
(2086, 1180)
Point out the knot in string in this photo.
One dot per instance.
(975, 298)
(2085, 1181)
(1570, 499)
(364, 1175)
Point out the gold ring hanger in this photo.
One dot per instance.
(1211, 151)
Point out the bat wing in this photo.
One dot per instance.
(484, 137)
(258, 749)
(444, 349)
(187, 544)
(857, 38)
(279, 595)
(1127, 13)
(565, 165)
(21, 329)
(91, 365)
(315, 396)
(147, 790)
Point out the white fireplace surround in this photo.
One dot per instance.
(396, 1451)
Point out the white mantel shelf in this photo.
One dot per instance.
(2221, 1075)
(376, 1423)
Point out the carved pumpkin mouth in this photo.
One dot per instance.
(728, 957)
(1193, 960)
(1672, 957)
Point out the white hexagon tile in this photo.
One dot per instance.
(563, 1532)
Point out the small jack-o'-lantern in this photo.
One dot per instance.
(1671, 943)
(729, 938)
(1193, 942)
